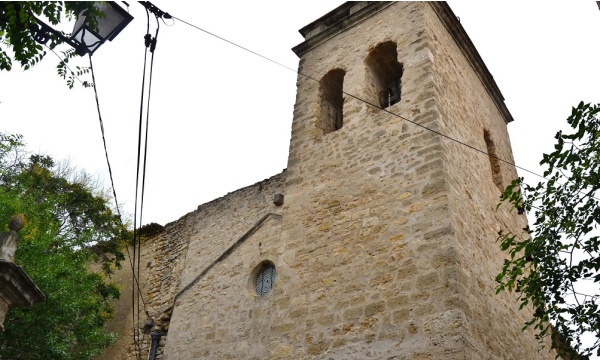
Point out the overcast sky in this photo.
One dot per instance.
(220, 117)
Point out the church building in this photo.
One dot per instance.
(379, 240)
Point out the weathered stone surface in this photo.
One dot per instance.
(16, 289)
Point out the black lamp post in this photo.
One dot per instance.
(85, 39)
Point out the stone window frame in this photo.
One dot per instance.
(257, 275)
(495, 165)
(383, 75)
(330, 116)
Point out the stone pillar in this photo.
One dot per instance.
(16, 288)
(8, 245)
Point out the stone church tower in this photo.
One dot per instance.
(379, 240)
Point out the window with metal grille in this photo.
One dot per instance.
(265, 279)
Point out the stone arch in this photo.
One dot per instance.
(383, 75)
(494, 160)
(331, 110)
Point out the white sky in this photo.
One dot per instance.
(220, 117)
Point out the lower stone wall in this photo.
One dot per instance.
(160, 269)
(242, 226)
(168, 271)
(220, 316)
(122, 322)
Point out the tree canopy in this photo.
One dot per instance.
(555, 265)
(70, 227)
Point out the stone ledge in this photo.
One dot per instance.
(337, 21)
(454, 27)
(17, 287)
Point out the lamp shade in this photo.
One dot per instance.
(88, 39)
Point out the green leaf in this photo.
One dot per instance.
(560, 250)
(70, 226)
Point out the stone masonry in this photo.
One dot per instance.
(385, 244)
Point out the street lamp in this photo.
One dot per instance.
(108, 27)
(85, 38)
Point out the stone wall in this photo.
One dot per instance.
(385, 246)
(228, 238)
(465, 111)
(176, 258)
(373, 195)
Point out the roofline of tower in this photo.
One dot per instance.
(336, 21)
(352, 13)
(455, 28)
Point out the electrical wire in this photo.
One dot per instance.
(152, 48)
(367, 102)
(112, 182)
(361, 99)
(150, 44)
(123, 230)
(136, 237)
(136, 284)
(236, 45)
(136, 315)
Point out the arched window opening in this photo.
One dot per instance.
(265, 278)
(331, 115)
(494, 161)
(384, 75)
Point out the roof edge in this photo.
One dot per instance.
(455, 28)
(336, 21)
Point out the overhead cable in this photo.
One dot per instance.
(150, 45)
(361, 99)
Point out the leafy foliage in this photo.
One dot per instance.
(69, 228)
(18, 25)
(555, 267)
(68, 74)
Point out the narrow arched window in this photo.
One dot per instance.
(384, 75)
(331, 96)
(494, 160)
(265, 279)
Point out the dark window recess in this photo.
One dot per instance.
(331, 96)
(384, 75)
(494, 161)
(391, 95)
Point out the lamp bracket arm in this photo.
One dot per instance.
(41, 33)
(156, 11)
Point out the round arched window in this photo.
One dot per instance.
(265, 279)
